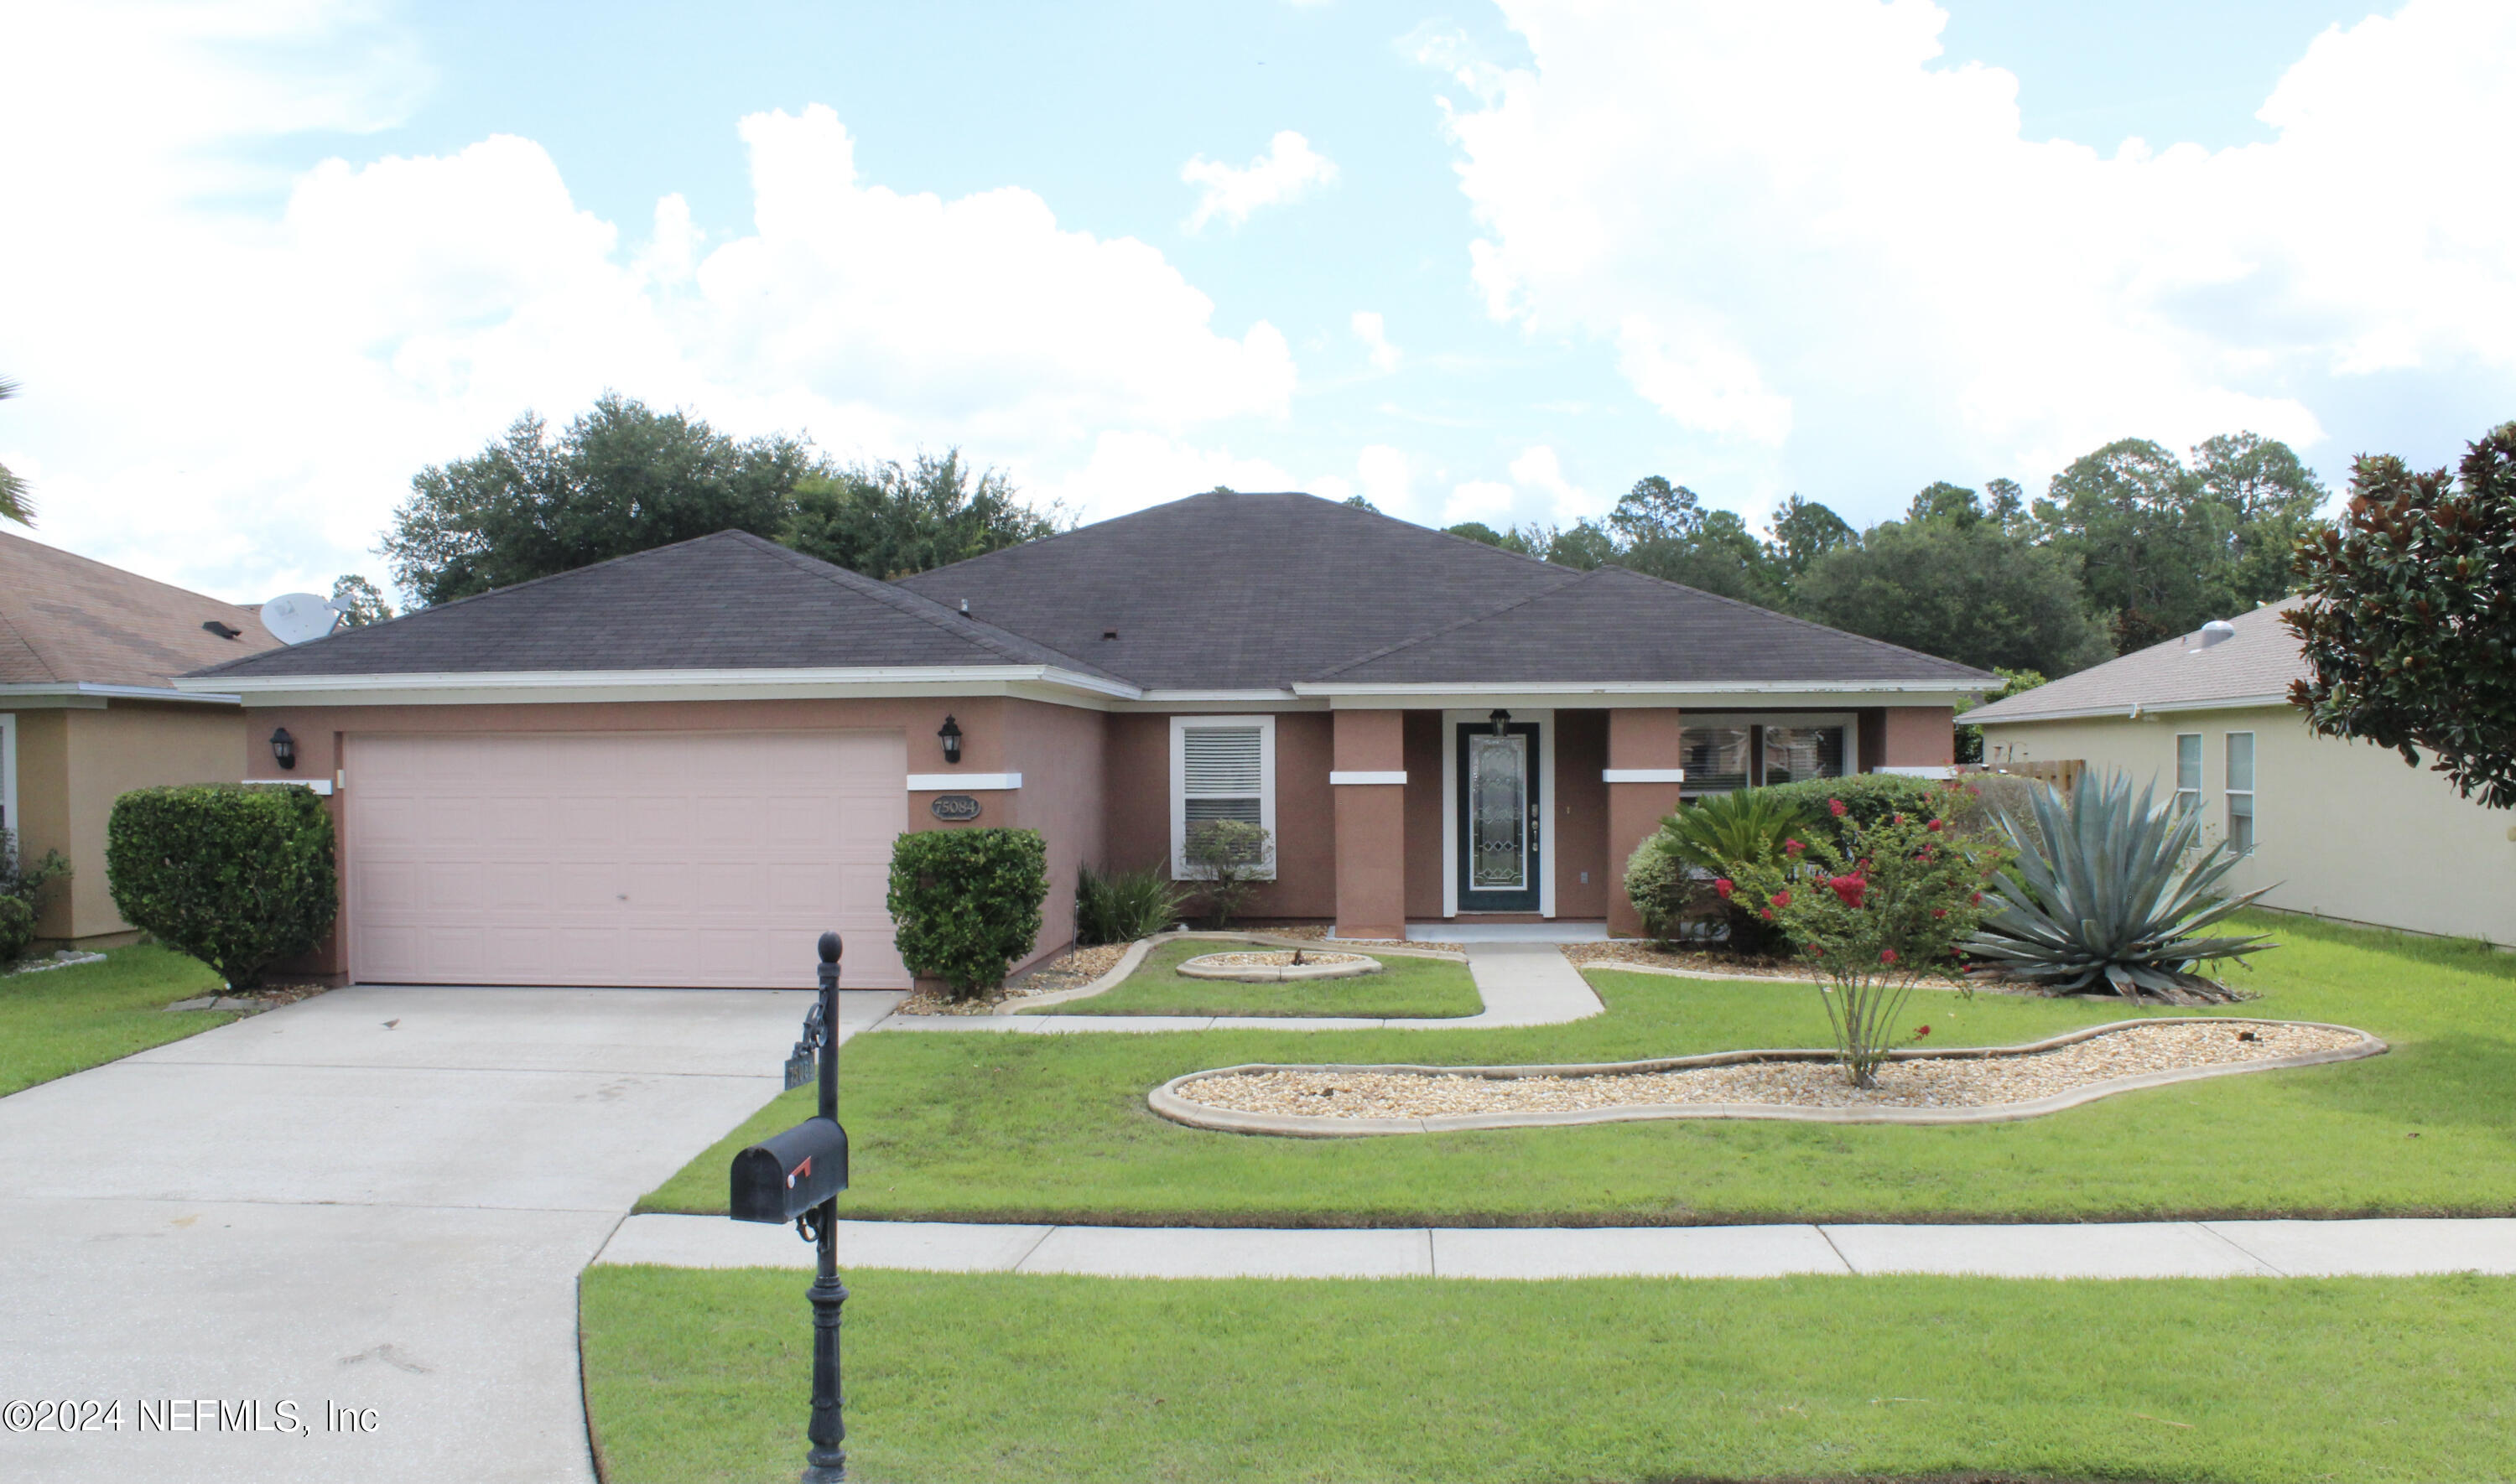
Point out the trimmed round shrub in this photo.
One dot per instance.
(238, 876)
(966, 903)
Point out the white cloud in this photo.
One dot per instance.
(1538, 469)
(1375, 335)
(1286, 172)
(1388, 481)
(232, 390)
(1817, 248)
(1486, 500)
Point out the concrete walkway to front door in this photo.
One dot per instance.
(1522, 983)
(379, 1199)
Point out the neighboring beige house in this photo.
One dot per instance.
(85, 711)
(2335, 828)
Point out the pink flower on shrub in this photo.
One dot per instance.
(1781, 899)
(1836, 805)
(1976, 899)
(1896, 820)
(1887, 956)
(1768, 914)
(1920, 1031)
(1792, 848)
(1853, 889)
(1939, 912)
(1933, 826)
(1722, 889)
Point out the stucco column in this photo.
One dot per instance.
(1919, 737)
(1369, 776)
(1646, 754)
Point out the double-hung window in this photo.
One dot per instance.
(2241, 792)
(1222, 767)
(2188, 772)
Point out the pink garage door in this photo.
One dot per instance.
(700, 859)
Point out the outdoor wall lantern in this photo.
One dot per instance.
(283, 749)
(1500, 719)
(951, 732)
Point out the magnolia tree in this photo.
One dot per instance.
(1878, 908)
(2409, 628)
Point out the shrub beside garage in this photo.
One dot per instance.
(966, 903)
(239, 877)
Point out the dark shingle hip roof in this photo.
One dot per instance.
(1217, 592)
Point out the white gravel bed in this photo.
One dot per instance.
(1930, 1081)
(1278, 958)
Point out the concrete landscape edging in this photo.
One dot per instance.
(1134, 958)
(1168, 1102)
(1354, 966)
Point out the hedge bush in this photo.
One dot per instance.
(966, 903)
(237, 875)
(1869, 798)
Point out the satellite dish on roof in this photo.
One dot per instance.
(293, 618)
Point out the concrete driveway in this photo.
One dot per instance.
(373, 1205)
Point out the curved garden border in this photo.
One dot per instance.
(1166, 1100)
(1134, 958)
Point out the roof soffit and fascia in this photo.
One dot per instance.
(492, 688)
(93, 695)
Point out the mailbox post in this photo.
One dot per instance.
(797, 1176)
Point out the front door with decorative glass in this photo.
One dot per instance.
(1498, 819)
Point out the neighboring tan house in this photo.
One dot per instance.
(87, 711)
(2335, 828)
(679, 766)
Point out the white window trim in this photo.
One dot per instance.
(9, 778)
(2253, 817)
(1180, 727)
(2201, 771)
(1849, 721)
(1546, 834)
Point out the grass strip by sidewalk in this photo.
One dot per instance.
(1006, 1128)
(1411, 987)
(696, 1375)
(65, 1021)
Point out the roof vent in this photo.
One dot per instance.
(2217, 631)
(965, 605)
(1109, 634)
(223, 631)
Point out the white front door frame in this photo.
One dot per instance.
(1546, 723)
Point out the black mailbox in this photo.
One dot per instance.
(786, 1174)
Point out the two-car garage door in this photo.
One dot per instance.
(665, 859)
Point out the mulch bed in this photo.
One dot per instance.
(1073, 971)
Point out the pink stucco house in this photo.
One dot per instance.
(679, 766)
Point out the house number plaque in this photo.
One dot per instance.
(955, 807)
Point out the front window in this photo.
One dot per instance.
(1222, 767)
(1726, 753)
(2241, 792)
(2188, 772)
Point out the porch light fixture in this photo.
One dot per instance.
(283, 749)
(1500, 719)
(951, 732)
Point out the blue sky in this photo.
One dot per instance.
(1836, 247)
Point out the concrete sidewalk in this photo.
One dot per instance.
(2109, 1249)
(378, 1198)
(1522, 983)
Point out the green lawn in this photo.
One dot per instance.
(696, 1376)
(1410, 987)
(1004, 1128)
(66, 1021)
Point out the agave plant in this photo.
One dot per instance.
(2115, 890)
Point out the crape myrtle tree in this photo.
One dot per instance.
(2409, 626)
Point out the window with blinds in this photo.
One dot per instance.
(1222, 767)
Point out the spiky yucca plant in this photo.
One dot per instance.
(2115, 891)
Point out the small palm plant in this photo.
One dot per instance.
(2115, 890)
(1705, 841)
